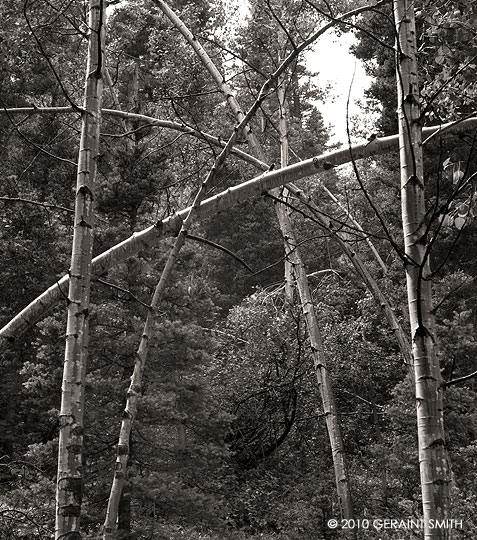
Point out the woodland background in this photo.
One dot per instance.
(230, 440)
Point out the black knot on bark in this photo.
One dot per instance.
(84, 190)
(83, 223)
(437, 442)
(126, 415)
(123, 449)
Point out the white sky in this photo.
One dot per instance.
(331, 58)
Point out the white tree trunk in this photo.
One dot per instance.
(433, 458)
(221, 202)
(70, 452)
(292, 253)
(283, 128)
(294, 267)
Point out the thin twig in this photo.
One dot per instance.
(118, 288)
(221, 248)
(37, 203)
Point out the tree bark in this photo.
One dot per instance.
(433, 458)
(294, 267)
(330, 409)
(283, 128)
(70, 452)
(293, 254)
(221, 202)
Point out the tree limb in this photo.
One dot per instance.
(219, 247)
(459, 380)
(170, 226)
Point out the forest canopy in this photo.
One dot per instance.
(216, 324)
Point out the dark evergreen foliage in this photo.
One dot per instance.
(230, 439)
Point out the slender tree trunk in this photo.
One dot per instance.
(221, 202)
(294, 266)
(433, 458)
(324, 383)
(357, 225)
(135, 387)
(283, 127)
(133, 393)
(70, 453)
(286, 227)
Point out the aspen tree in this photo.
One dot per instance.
(135, 388)
(433, 458)
(362, 271)
(283, 129)
(294, 267)
(170, 226)
(70, 452)
(293, 254)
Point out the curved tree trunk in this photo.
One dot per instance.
(292, 255)
(433, 458)
(141, 355)
(70, 453)
(170, 226)
(135, 388)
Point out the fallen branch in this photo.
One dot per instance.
(171, 225)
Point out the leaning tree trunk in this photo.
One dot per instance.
(330, 408)
(294, 267)
(433, 458)
(332, 419)
(135, 387)
(133, 394)
(70, 452)
(170, 226)
(380, 299)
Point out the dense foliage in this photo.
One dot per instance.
(230, 439)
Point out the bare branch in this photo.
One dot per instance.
(219, 247)
(126, 291)
(459, 380)
(170, 226)
(37, 203)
